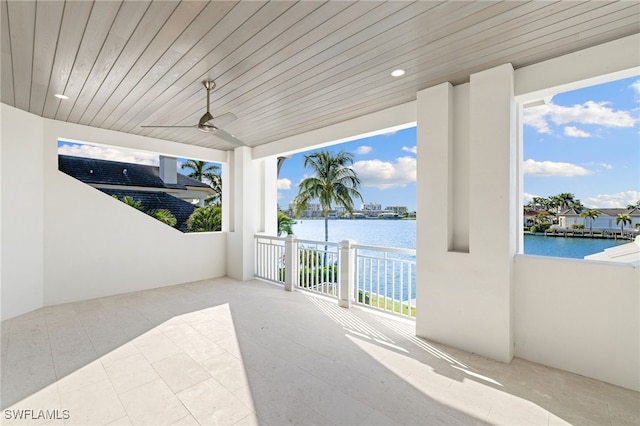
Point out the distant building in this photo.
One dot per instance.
(313, 211)
(400, 210)
(371, 207)
(606, 219)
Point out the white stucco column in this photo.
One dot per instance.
(244, 191)
(269, 195)
(251, 195)
(467, 213)
(291, 263)
(347, 273)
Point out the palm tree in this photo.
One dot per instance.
(576, 205)
(552, 203)
(564, 200)
(164, 216)
(623, 219)
(130, 201)
(285, 224)
(332, 183)
(591, 214)
(540, 219)
(205, 219)
(634, 206)
(538, 203)
(205, 172)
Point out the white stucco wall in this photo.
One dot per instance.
(480, 299)
(464, 278)
(22, 223)
(64, 241)
(579, 316)
(97, 246)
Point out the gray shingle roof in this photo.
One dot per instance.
(605, 212)
(153, 200)
(90, 170)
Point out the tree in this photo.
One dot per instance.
(128, 200)
(540, 220)
(164, 216)
(564, 200)
(591, 215)
(332, 183)
(205, 219)
(205, 172)
(538, 203)
(576, 205)
(634, 206)
(285, 224)
(623, 219)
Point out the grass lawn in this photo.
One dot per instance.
(386, 303)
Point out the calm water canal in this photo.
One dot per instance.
(402, 233)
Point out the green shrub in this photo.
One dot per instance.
(164, 216)
(313, 276)
(205, 219)
(364, 296)
(310, 258)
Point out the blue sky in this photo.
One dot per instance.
(586, 142)
(385, 164)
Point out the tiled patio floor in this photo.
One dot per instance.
(225, 352)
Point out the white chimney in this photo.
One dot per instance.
(169, 169)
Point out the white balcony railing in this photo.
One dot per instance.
(386, 278)
(379, 277)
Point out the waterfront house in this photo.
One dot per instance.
(120, 319)
(606, 220)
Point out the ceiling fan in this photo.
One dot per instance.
(210, 124)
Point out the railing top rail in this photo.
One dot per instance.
(396, 250)
(269, 237)
(320, 243)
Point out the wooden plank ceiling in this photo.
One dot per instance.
(281, 67)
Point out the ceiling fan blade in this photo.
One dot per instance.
(223, 120)
(166, 127)
(227, 137)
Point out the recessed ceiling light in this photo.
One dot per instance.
(397, 73)
(60, 96)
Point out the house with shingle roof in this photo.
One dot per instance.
(606, 220)
(156, 187)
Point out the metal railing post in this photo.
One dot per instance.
(347, 267)
(290, 263)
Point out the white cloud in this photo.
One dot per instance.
(590, 112)
(553, 168)
(364, 149)
(574, 132)
(526, 197)
(109, 153)
(284, 183)
(413, 149)
(636, 86)
(612, 201)
(602, 165)
(535, 117)
(385, 174)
